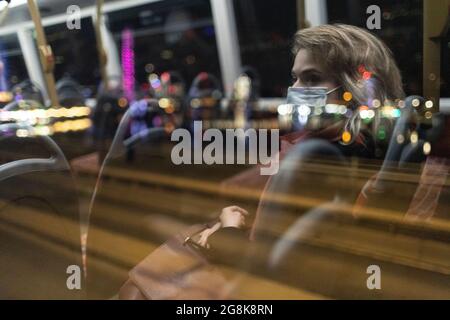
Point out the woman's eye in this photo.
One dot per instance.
(311, 81)
(294, 79)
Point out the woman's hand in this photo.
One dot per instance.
(230, 217)
(233, 216)
(206, 233)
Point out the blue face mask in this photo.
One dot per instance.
(309, 96)
(304, 101)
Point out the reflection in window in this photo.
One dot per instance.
(265, 37)
(12, 68)
(445, 70)
(75, 52)
(169, 36)
(401, 29)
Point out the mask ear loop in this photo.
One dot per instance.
(333, 90)
(353, 126)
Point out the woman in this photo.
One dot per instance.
(351, 64)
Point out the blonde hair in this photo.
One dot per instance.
(357, 60)
(342, 50)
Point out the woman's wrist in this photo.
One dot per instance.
(230, 225)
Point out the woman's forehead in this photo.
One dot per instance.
(304, 60)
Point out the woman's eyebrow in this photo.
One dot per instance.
(310, 70)
(306, 71)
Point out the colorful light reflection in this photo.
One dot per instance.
(128, 64)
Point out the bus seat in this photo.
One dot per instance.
(39, 219)
(327, 251)
(28, 90)
(403, 156)
(69, 93)
(135, 224)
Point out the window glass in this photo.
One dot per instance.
(323, 175)
(401, 29)
(75, 52)
(13, 64)
(169, 36)
(265, 38)
(445, 60)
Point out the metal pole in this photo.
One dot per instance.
(31, 58)
(316, 12)
(301, 15)
(45, 53)
(435, 15)
(227, 42)
(102, 56)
